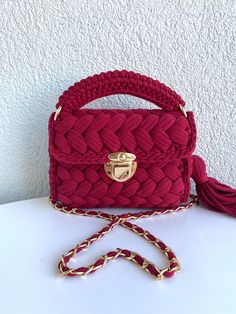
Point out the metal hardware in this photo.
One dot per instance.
(183, 110)
(121, 166)
(174, 265)
(57, 112)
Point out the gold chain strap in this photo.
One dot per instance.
(135, 257)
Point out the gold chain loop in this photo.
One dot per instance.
(135, 257)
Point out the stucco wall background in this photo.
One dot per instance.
(45, 46)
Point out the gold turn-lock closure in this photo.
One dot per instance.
(121, 166)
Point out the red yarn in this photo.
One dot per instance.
(81, 140)
(215, 195)
(119, 82)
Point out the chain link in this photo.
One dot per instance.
(122, 219)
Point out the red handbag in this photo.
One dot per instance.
(136, 158)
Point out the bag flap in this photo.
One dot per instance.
(90, 135)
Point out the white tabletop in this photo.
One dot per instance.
(33, 236)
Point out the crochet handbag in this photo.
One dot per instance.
(138, 158)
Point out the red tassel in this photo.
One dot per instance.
(215, 195)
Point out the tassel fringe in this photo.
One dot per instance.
(214, 194)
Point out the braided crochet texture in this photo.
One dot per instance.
(80, 141)
(119, 82)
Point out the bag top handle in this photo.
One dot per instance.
(119, 82)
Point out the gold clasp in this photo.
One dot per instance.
(121, 166)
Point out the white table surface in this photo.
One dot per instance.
(33, 236)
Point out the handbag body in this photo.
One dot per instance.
(151, 149)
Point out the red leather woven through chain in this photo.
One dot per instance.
(151, 268)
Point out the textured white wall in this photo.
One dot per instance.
(45, 46)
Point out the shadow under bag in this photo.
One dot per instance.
(129, 158)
